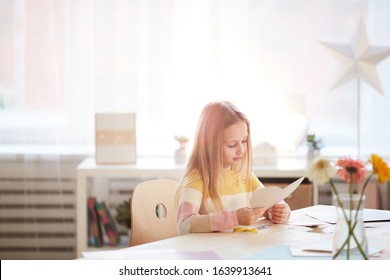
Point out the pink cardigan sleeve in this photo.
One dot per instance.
(190, 220)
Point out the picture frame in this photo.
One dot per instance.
(115, 138)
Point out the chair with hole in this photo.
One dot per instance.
(153, 211)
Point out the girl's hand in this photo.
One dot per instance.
(249, 216)
(279, 213)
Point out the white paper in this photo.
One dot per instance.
(328, 213)
(269, 196)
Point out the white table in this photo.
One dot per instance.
(270, 243)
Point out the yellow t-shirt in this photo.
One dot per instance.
(198, 215)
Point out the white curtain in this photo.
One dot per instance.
(62, 61)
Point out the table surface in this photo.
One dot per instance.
(274, 241)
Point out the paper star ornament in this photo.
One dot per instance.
(358, 60)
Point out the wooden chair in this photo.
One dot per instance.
(153, 211)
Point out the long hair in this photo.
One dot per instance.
(206, 159)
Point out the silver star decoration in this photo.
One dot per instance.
(358, 59)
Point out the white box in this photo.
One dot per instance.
(115, 138)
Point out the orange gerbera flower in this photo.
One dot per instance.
(380, 167)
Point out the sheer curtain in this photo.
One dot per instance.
(62, 61)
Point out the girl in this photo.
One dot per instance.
(215, 191)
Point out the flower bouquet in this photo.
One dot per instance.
(313, 142)
(349, 239)
(183, 140)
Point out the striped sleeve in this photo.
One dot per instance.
(189, 218)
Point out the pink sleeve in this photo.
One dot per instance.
(224, 220)
(186, 209)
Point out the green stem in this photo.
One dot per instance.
(352, 233)
(350, 229)
(363, 190)
(350, 213)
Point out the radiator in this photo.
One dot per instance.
(37, 218)
(38, 206)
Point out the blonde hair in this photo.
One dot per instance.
(206, 158)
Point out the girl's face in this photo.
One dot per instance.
(234, 143)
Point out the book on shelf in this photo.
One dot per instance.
(101, 226)
(94, 230)
(107, 223)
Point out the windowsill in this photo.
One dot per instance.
(46, 150)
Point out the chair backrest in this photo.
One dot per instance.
(153, 211)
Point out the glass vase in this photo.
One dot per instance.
(180, 156)
(350, 240)
(311, 155)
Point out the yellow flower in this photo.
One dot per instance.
(381, 168)
(320, 171)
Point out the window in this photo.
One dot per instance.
(62, 61)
